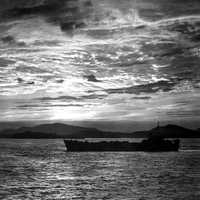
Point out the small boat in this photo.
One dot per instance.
(152, 144)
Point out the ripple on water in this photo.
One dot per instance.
(42, 169)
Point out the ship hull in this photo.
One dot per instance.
(83, 146)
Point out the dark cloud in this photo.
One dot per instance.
(26, 106)
(145, 88)
(47, 43)
(29, 69)
(69, 14)
(142, 98)
(10, 40)
(30, 82)
(43, 9)
(44, 107)
(5, 62)
(71, 25)
(57, 98)
(169, 8)
(91, 78)
(93, 96)
(20, 80)
(184, 113)
(13, 8)
(59, 81)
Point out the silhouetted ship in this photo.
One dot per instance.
(152, 144)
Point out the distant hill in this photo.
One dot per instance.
(58, 130)
(174, 131)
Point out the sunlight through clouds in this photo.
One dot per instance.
(114, 60)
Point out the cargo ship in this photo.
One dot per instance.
(151, 144)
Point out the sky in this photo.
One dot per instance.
(113, 64)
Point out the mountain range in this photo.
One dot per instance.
(59, 130)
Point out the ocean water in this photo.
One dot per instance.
(42, 169)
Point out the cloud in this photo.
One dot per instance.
(13, 9)
(57, 98)
(91, 78)
(30, 69)
(5, 62)
(67, 14)
(142, 98)
(10, 40)
(47, 43)
(154, 11)
(165, 86)
(184, 113)
(83, 97)
(93, 96)
(44, 107)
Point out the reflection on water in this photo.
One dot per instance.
(42, 169)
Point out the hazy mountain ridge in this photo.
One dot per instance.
(59, 130)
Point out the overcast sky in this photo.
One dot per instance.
(132, 62)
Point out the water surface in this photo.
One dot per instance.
(42, 169)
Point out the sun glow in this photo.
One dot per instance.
(71, 113)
